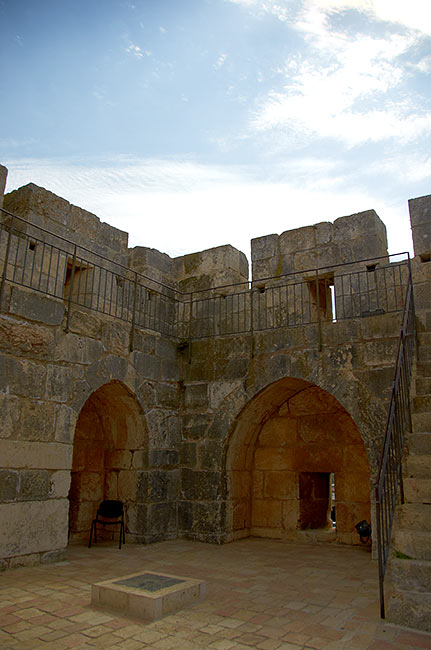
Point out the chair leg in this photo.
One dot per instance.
(91, 534)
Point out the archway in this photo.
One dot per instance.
(110, 450)
(285, 447)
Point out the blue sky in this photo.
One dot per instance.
(196, 123)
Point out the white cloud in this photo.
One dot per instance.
(414, 14)
(220, 61)
(137, 51)
(346, 88)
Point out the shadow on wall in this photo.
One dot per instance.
(287, 443)
(110, 449)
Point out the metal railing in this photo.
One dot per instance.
(389, 477)
(35, 258)
(313, 296)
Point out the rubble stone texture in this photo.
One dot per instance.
(215, 408)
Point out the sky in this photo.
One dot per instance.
(196, 123)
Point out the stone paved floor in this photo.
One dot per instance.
(260, 594)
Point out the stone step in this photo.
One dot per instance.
(424, 353)
(411, 609)
(423, 386)
(410, 575)
(421, 422)
(417, 466)
(413, 543)
(422, 404)
(414, 516)
(417, 490)
(424, 339)
(423, 368)
(419, 443)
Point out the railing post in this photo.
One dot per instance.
(319, 322)
(72, 279)
(132, 327)
(189, 347)
(380, 555)
(251, 321)
(6, 261)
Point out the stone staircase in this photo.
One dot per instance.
(410, 563)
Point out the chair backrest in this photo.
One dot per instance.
(110, 509)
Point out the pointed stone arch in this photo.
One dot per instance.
(285, 441)
(110, 458)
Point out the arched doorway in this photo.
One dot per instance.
(291, 448)
(110, 451)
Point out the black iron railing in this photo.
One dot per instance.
(35, 258)
(389, 485)
(327, 294)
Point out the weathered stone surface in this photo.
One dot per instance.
(58, 383)
(34, 485)
(163, 458)
(85, 323)
(33, 527)
(162, 521)
(196, 395)
(199, 485)
(420, 217)
(9, 484)
(25, 377)
(31, 341)
(36, 307)
(26, 454)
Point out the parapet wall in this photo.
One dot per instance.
(359, 236)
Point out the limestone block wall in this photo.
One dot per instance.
(420, 217)
(215, 267)
(43, 208)
(232, 392)
(359, 236)
(121, 406)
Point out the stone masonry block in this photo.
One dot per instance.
(299, 239)
(65, 422)
(58, 383)
(199, 485)
(40, 455)
(10, 415)
(25, 378)
(33, 527)
(37, 420)
(196, 395)
(9, 484)
(36, 307)
(163, 457)
(264, 247)
(33, 341)
(59, 484)
(420, 217)
(34, 485)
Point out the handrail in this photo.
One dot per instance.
(48, 263)
(389, 477)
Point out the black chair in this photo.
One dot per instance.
(112, 511)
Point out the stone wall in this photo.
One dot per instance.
(208, 436)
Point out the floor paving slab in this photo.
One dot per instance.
(263, 594)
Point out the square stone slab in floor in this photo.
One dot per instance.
(147, 595)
